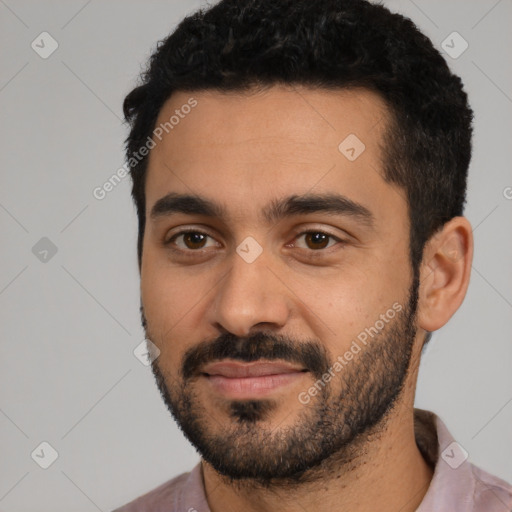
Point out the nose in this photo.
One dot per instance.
(251, 296)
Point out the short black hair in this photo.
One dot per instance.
(242, 45)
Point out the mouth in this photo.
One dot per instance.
(249, 380)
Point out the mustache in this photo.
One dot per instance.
(309, 354)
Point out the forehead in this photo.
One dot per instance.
(299, 115)
(239, 148)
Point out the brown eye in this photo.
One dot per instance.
(194, 240)
(317, 239)
(191, 240)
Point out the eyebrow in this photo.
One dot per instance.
(277, 209)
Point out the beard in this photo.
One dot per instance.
(327, 435)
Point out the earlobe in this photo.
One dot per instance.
(445, 273)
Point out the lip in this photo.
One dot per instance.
(232, 369)
(250, 380)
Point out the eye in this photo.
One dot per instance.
(191, 240)
(316, 239)
(194, 240)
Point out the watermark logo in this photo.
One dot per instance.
(44, 45)
(44, 250)
(454, 45)
(454, 455)
(44, 455)
(249, 249)
(351, 147)
(146, 352)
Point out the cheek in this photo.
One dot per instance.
(169, 299)
(347, 310)
(352, 300)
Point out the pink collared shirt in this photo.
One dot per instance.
(456, 486)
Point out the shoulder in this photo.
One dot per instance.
(491, 493)
(165, 494)
(457, 484)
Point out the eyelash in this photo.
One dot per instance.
(168, 242)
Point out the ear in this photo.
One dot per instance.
(444, 273)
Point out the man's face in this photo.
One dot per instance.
(335, 308)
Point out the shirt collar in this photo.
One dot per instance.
(453, 484)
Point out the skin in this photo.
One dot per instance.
(243, 151)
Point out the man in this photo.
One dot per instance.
(299, 171)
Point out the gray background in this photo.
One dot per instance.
(70, 324)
